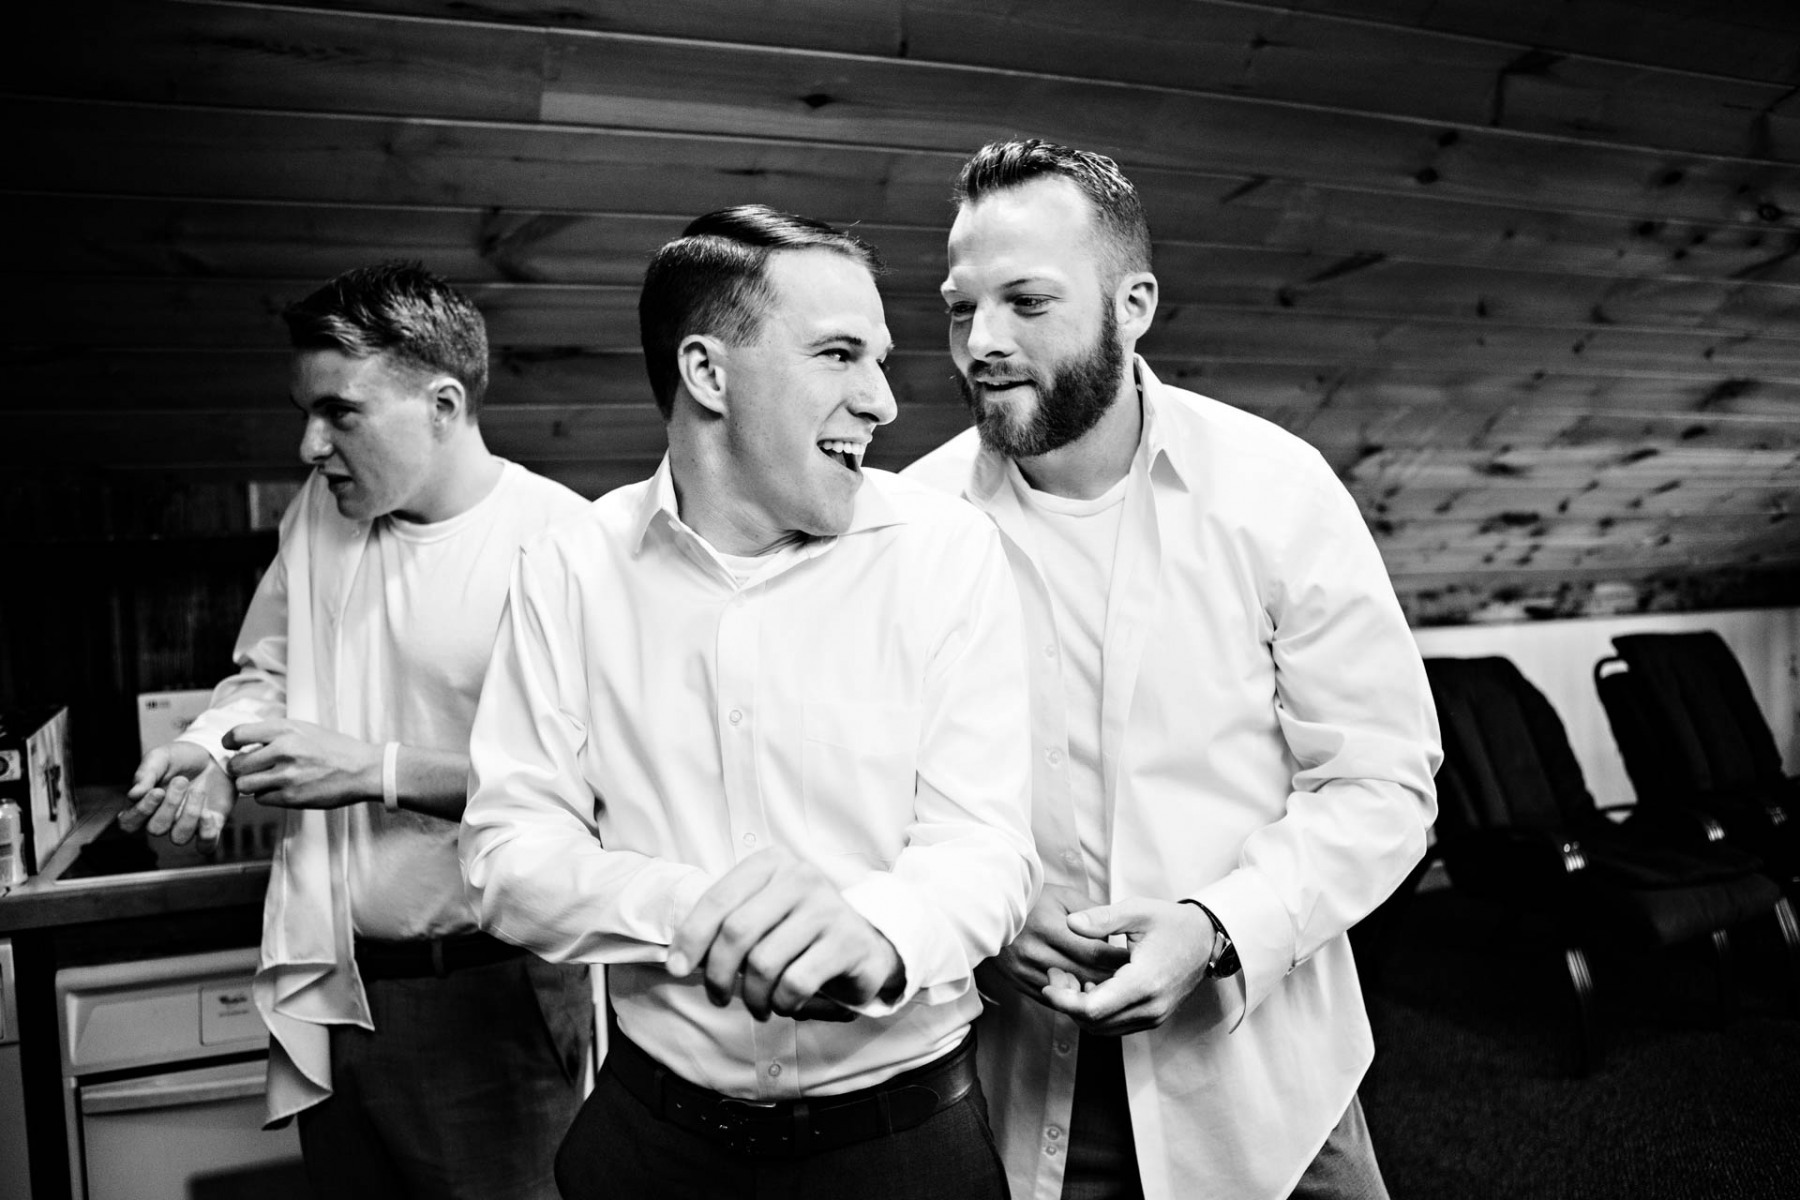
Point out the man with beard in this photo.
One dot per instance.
(1234, 740)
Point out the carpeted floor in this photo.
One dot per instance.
(1468, 1098)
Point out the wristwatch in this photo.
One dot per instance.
(1222, 962)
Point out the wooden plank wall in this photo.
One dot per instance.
(1525, 272)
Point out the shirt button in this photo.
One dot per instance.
(749, 839)
(1050, 650)
(1053, 757)
(736, 716)
(1053, 1133)
(1049, 1151)
(774, 1069)
(1062, 1047)
(1070, 858)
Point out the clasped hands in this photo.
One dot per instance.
(179, 790)
(777, 933)
(1064, 959)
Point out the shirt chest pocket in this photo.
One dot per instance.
(859, 771)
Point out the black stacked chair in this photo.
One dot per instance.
(1517, 825)
(1697, 747)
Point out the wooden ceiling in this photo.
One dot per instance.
(1524, 270)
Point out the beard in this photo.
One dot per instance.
(1071, 401)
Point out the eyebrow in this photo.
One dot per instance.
(316, 401)
(1021, 281)
(841, 339)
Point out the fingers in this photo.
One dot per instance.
(187, 818)
(831, 967)
(1087, 956)
(778, 935)
(169, 811)
(759, 943)
(261, 758)
(253, 733)
(1054, 942)
(701, 926)
(256, 769)
(133, 818)
(208, 804)
(1103, 921)
(1048, 943)
(1022, 969)
(1031, 956)
(1121, 1004)
(821, 1008)
(1169, 943)
(149, 773)
(265, 785)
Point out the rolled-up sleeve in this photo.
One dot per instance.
(530, 845)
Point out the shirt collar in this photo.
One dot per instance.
(1159, 443)
(874, 509)
(1162, 442)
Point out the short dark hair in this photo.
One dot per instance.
(714, 279)
(1119, 214)
(402, 310)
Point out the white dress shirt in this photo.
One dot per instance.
(649, 720)
(380, 630)
(1268, 741)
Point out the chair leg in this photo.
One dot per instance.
(1728, 997)
(1790, 939)
(1585, 1047)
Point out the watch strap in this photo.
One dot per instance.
(1222, 961)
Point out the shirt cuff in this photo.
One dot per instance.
(208, 731)
(895, 911)
(684, 893)
(1252, 913)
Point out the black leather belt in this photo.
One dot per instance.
(791, 1128)
(429, 957)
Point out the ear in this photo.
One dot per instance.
(1134, 304)
(449, 402)
(701, 363)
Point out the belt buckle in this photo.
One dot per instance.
(746, 1127)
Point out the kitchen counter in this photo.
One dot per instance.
(185, 904)
(42, 902)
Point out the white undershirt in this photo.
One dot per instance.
(1076, 544)
(418, 631)
(746, 569)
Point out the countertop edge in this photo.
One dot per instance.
(42, 903)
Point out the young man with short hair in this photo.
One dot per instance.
(422, 1056)
(755, 738)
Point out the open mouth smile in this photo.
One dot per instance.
(846, 454)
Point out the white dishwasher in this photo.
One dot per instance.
(163, 1064)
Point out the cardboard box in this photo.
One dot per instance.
(163, 715)
(34, 774)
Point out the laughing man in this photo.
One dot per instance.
(755, 736)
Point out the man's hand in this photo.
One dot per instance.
(775, 931)
(1169, 945)
(1048, 942)
(179, 790)
(296, 764)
